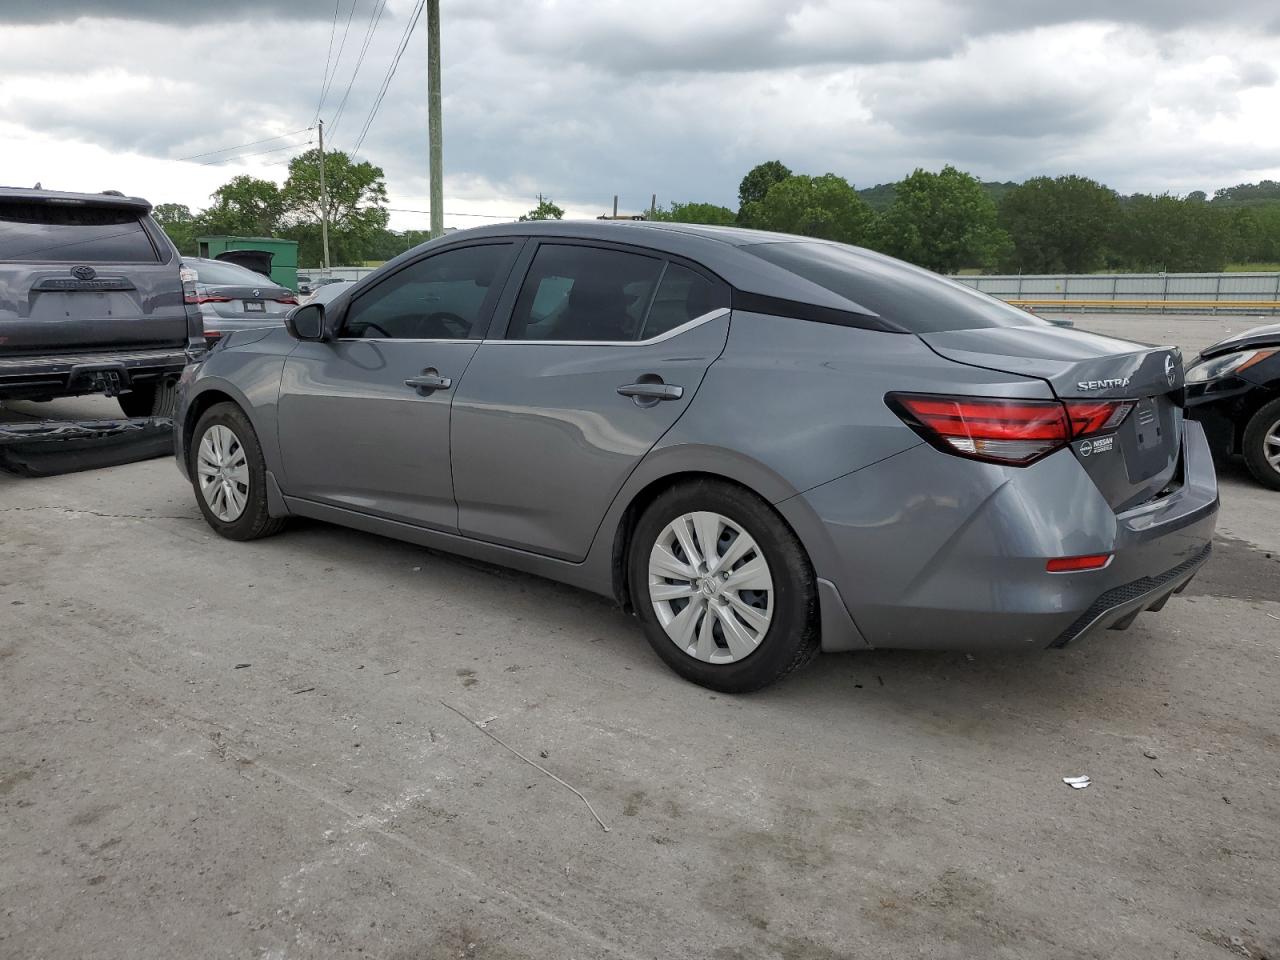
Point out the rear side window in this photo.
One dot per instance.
(916, 300)
(584, 293)
(56, 233)
(682, 296)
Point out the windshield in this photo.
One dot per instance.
(214, 272)
(916, 300)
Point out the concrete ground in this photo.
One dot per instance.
(212, 749)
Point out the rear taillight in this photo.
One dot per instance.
(289, 299)
(1016, 432)
(205, 298)
(188, 277)
(1096, 416)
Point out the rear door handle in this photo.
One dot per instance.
(429, 381)
(651, 391)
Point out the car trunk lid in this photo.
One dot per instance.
(1131, 463)
(246, 302)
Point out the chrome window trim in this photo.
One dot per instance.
(404, 340)
(688, 325)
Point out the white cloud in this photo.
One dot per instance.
(581, 100)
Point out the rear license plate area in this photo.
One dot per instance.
(1147, 425)
(254, 306)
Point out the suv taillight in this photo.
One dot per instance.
(1014, 432)
(188, 285)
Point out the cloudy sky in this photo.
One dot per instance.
(582, 99)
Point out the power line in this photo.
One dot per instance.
(324, 92)
(374, 19)
(391, 72)
(243, 156)
(239, 146)
(328, 58)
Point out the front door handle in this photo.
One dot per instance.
(652, 392)
(430, 380)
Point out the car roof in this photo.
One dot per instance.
(31, 195)
(722, 250)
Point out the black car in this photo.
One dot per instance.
(91, 300)
(1233, 389)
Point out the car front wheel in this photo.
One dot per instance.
(229, 475)
(1261, 445)
(723, 587)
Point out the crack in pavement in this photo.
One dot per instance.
(108, 516)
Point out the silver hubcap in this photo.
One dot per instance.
(223, 470)
(1271, 446)
(710, 587)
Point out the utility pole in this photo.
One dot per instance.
(324, 206)
(434, 123)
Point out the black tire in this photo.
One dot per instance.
(155, 399)
(791, 638)
(254, 521)
(1264, 423)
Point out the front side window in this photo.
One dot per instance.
(585, 294)
(72, 233)
(443, 297)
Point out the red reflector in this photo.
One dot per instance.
(1095, 561)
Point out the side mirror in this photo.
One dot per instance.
(306, 322)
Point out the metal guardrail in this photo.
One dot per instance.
(1163, 292)
(1163, 306)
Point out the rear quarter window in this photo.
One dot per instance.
(915, 299)
(56, 233)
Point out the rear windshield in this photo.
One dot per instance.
(57, 233)
(916, 300)
(226, 273)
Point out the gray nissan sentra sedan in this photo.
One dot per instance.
(763, 445)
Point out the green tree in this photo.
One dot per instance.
(245, 206)
(826, 207)
(357, 206)
(1058, 225)
(1265, 191)
(941, 221)
(755, 185)
(1166, 233)
(545, 210)
(696, 213)
(182, 226)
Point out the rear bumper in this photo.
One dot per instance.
(73, 374)
(930, 551)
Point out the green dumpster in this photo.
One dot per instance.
(284, 254)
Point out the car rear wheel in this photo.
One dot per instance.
(229, 475)
(723, 587)
(1261, 445)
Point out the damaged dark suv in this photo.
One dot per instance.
(92, 300)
